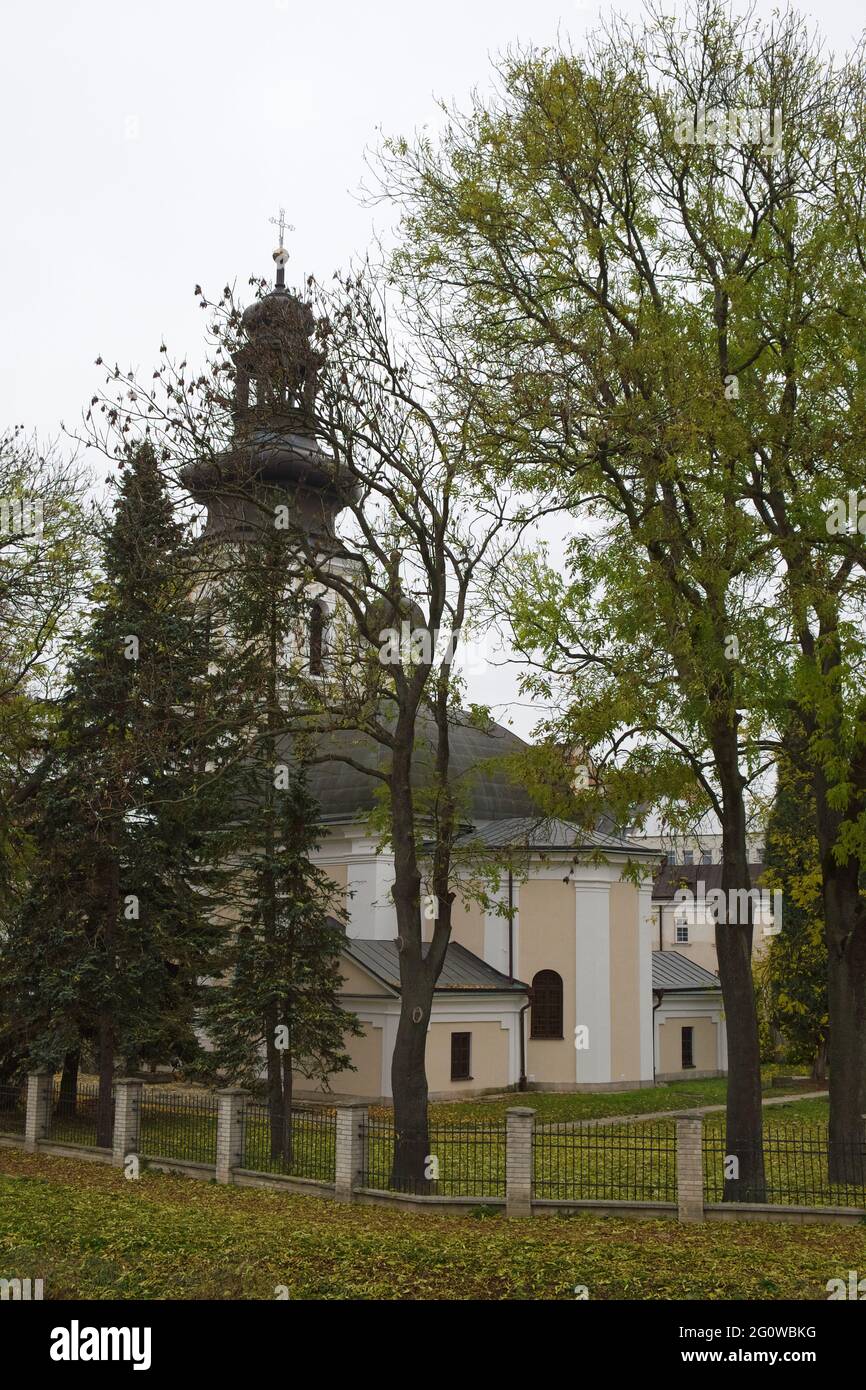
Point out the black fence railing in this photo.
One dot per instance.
(176, 1124)
(309, 1150)
(73, 1118)
(465, 1160)
(13, 1109)
(616, 1163)
(799, 1168)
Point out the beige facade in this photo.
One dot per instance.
(585, 921)
(625, 994)
(705, 1044)
(488, 1057)
(546, 941)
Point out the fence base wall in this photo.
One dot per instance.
(803, 1216)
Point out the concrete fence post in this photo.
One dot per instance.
(351, 1140)
(690, 1168)
(40, 1094)
(231, 1126)
(519, 1132)
(127, 1119)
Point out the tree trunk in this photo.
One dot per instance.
(846, 1002)
(744, 1117)
(288, 1136)
(819, 1064)
(69, 1084)
(104, 1104)
(845, 934)
(409, 1090)
(275, 1085)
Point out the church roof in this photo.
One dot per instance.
(491, 790)
(674, 973)
(462, 973)
(547, 833)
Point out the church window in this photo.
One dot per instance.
(461, 1056)
(546, 1012)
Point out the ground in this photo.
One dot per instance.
(90, 1233)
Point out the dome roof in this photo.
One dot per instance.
(490, 790)
(278, 312)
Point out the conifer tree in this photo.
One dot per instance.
(276, 1006)
(116, 929)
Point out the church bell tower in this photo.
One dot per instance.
(274, 458)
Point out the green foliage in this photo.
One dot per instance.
(275, 1002)
(793, 973)
(115, 928)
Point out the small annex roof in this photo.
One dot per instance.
(462, 973)
(534, 832)
(674, 973)
(674, 876)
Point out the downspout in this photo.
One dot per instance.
(510, 927)
(522, 1083)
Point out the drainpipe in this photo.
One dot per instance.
(521, 1085)
(510, 927)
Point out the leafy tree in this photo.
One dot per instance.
(670, 325)
(419, 525)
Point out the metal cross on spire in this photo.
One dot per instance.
(281, 255)
(282, 224)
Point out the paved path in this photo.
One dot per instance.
(695, 1110)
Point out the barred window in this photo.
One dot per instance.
(461, 1051)
(688, 1048)
(546, 1013)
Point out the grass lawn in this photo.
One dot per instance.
(559, 1106)
(89, 1233)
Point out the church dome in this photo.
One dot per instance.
(490, 790)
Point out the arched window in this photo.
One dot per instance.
(546, 1005)
(317, 638)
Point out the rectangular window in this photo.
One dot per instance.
(706, 856)
(688, 1048)
(461, 1051)
(688, 856)
(682, 935)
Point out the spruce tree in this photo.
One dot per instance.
(276, 1007)
(117, 927)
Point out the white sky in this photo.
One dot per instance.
(145, 145)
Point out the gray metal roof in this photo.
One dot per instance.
(673, 973)
(462, 972)
(492, 791)
(534, 832)
(674, 876)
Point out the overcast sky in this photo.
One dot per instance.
(146, 145)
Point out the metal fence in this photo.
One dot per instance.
(13, 1109)
(73, 1120)
(465, 1160)
(797, 1170)
(309, 1150)
(178, 1125)
(618, 1163)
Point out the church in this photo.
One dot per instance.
(559, 989)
